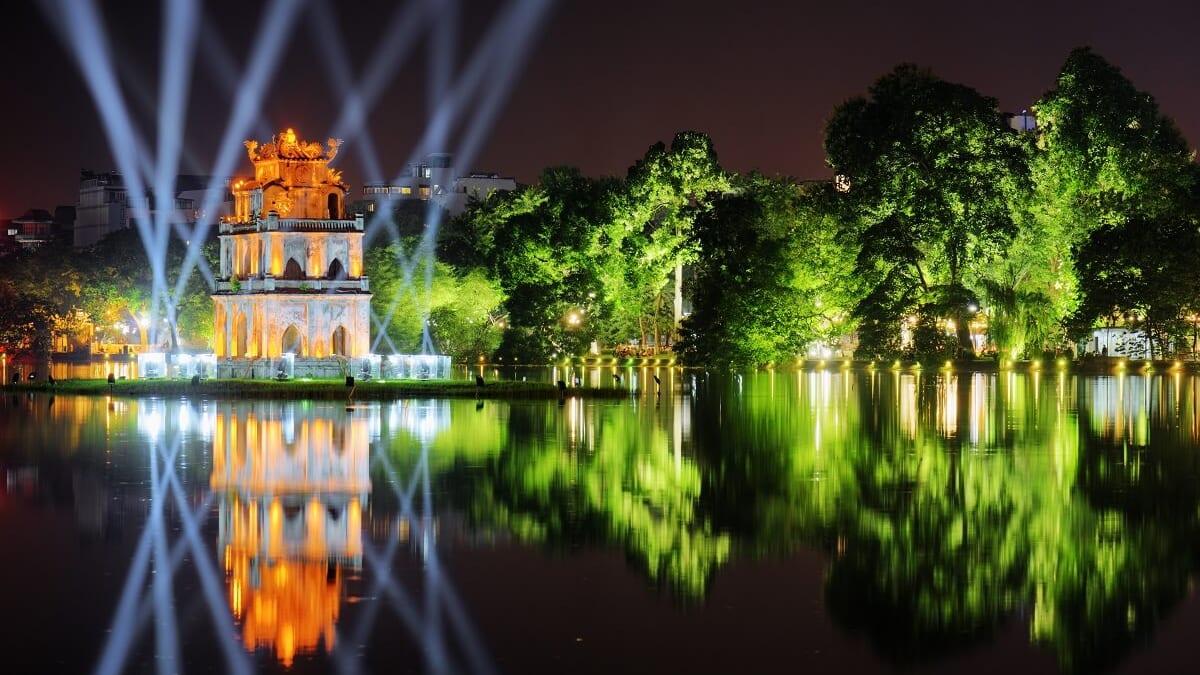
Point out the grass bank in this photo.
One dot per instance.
(311, 389)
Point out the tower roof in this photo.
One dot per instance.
(286, 145)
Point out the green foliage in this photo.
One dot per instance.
(934, 173)
(25, 321)
(770, 277)
(541, 243)
(195, 307)
(1106, 152)
(1115, 182)
(1144, 270)
(649, 237)
(462, 306)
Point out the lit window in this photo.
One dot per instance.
(406, 190)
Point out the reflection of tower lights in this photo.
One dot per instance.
(423, 420)
(290, 521)
(150, 418)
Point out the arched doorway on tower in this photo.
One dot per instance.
(293, 342)
(239, 335)
(336, 271)
(337, 342)
(292, 270)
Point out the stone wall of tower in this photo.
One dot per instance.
(252, 326)
(267, 253)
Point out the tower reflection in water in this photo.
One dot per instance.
(293, 481)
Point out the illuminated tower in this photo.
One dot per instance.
(291, 278)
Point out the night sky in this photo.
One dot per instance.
(603, 80)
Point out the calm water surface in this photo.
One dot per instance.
(773, 522)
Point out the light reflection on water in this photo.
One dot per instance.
(946, 507)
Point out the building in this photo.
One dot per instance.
(1023, 122)
(105, 205)
(434, 179)
(101, 207)
(33, 230)
(291, 288)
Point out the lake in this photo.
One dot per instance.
(785, 521)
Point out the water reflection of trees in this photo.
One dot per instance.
(562, 477)
(949, 504)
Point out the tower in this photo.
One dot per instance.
(291, 274)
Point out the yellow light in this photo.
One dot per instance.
(1035, 364)
(1062, 363)
(949, 364)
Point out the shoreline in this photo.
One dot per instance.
(310, 389)
(332, 389)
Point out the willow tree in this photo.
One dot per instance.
(933, 172)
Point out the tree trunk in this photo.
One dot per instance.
(657, 333)
(678, 300)
(963, 329)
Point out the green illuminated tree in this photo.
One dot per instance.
(649, 238)
(1112, 173)
(462, 306)
(1106, 153)
(542, 244)
(770, 277)
(934, 173)
(1143, 271)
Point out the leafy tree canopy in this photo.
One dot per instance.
(934, 172)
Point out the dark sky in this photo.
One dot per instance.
(603, 81)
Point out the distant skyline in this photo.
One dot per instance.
(602, 82)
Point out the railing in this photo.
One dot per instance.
(274, 285)
(314, 225)
(275, 224)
